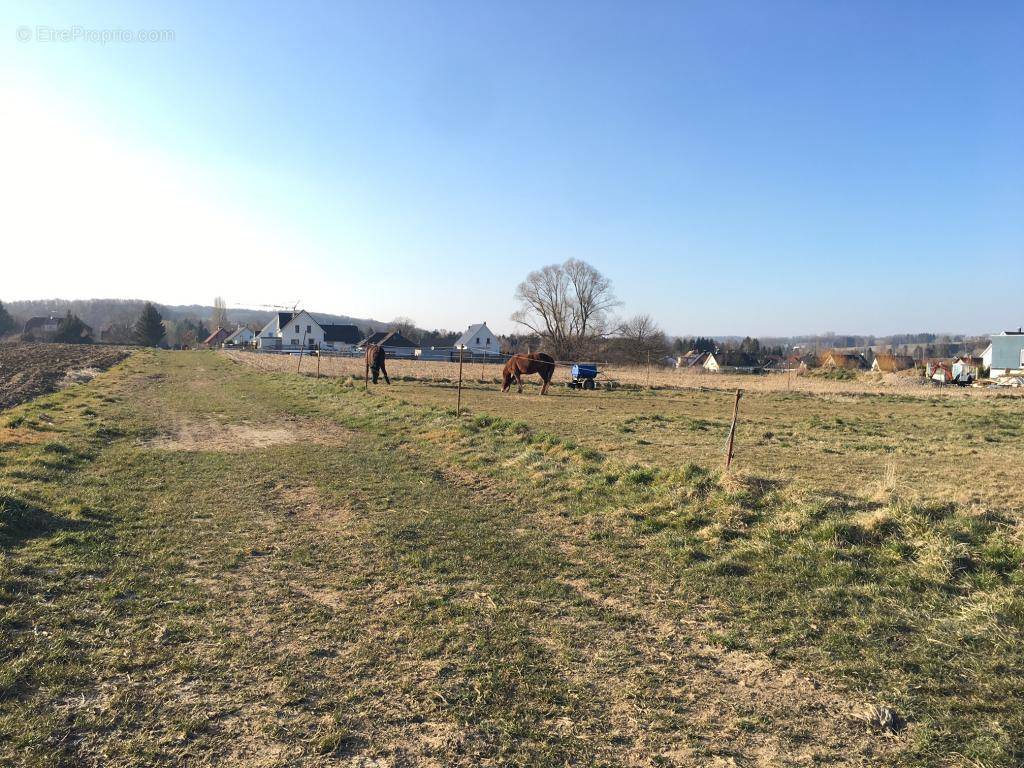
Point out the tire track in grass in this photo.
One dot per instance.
(660, 667)
(358, 601)
(650, 681)
(313, 630)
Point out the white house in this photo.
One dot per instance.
(731, 361)
(242, 337)
(692, 359)
(1005, 355)
(287, 330)
(300, 330)
(479, 340)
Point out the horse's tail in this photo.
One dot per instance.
(547, 370)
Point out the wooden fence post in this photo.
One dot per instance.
(318, 363)
(458, 406)
(732, 429)
(302, 348)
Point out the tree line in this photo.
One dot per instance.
(567, 309)
(148, 330)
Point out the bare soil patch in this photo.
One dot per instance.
(211, 436)
(30, 370)
(218, 437)
(303, 502)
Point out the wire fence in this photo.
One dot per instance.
(636, 377)
(471, 375)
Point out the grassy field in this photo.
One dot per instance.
(208, 563)
(864, 436)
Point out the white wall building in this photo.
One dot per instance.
(1005, 355)
(242, 337)
(291, 331)
(303, 331)
(479, 339)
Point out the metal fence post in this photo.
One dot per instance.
(302, 348)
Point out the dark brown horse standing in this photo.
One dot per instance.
(535, 362)
(375, 363)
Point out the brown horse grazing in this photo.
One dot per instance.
(535, 362)
(375, 363)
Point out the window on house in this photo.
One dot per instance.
(488, 339)
(477, 339)
(309, 329)
(296, 329)
(295, 341)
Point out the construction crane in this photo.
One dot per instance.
(294, 308)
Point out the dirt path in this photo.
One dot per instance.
(338, 592)
(646, 679)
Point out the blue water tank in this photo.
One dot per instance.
(584, 370)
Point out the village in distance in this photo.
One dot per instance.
(930, 358)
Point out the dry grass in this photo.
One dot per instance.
(543, 581)
(945, 443)
(631, 376)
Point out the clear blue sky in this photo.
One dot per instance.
(756, 167)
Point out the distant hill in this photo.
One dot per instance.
(101, 313)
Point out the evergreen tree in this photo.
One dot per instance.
(188, 332)
(149, 328)
(698, 344)
(6, 321)
(73, 331)
(750, 346)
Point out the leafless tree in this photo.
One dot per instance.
(638, 339)
(219, 316)
(566, 305)
(188, 339)
(405, 326)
